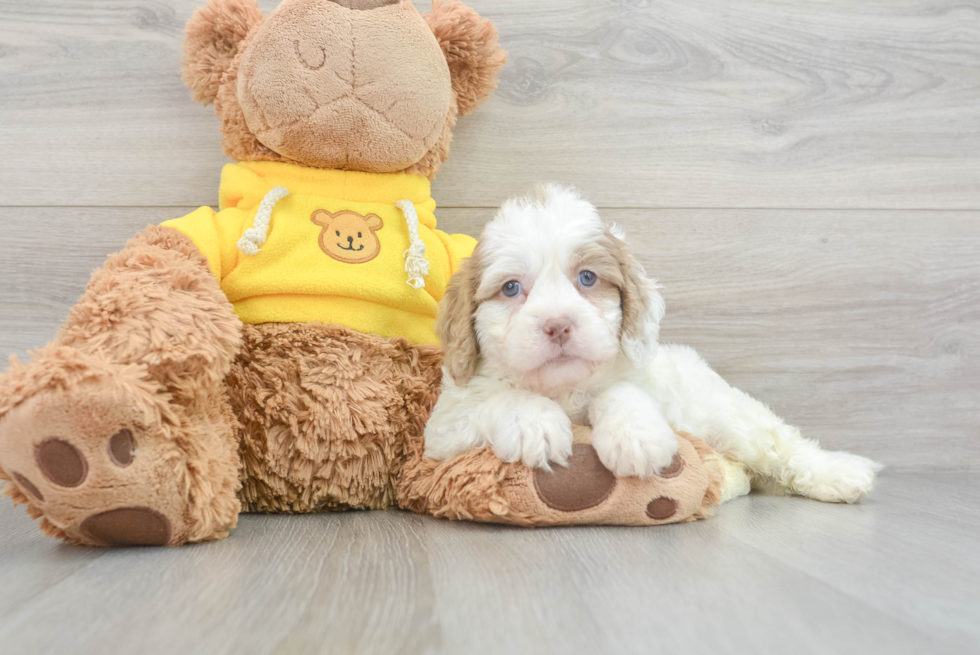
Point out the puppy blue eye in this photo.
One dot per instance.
(511, 288)
(587, 278)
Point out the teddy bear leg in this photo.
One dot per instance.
(102, 456)
(326, 415)
(120, 432)
(478, 486)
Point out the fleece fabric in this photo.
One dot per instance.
(334, 250)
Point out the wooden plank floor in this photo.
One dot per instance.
(898, 574)
(804, 180)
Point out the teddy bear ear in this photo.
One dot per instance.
(470, 45)
(211, 43)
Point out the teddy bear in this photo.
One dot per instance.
(279, 354)
(252, 358)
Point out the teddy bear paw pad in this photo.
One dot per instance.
(122, 448)
(675, 468)
(61, 463)
(584, 483)
(28, 486)
(662, 508)
(128, 526)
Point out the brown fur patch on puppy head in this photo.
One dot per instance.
(619, 274)
(643, 307)
(455, 321)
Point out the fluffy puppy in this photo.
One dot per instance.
(553, 322)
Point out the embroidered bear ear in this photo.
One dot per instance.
(322, 217)
(470, 45)
(211, 43)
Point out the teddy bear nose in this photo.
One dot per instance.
(364, 5)
(350, 240)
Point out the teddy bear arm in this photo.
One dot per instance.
(121, 432)
(477, 485)
(458, 247)
(157, 303)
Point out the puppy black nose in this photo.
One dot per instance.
(558, 330)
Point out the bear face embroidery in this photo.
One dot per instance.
(347, 236)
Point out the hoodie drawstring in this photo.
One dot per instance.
(416, 265)
(256, 235)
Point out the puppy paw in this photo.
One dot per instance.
(629, 433)
(835, 477)
(629, 446)
(536, 431)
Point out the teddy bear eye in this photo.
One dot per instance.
(358, 235)
(321, 55)
(338, 233)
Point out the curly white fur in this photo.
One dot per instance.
(563, 351)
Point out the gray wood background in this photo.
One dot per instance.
(803, 178)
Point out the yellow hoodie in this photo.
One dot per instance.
(300, 245)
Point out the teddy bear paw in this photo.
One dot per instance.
(587, 492)
(90, 460)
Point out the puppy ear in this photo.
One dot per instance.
(454, 323)
(470, 45)
(211, 43)
(643, 308)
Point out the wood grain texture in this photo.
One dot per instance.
(896, 574)
(862, 327)
(640, 103)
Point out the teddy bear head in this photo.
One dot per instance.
(365, 85)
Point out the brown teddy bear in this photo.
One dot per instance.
(279, 355)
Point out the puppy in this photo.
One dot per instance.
(552, 322)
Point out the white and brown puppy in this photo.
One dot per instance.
(552, 321)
